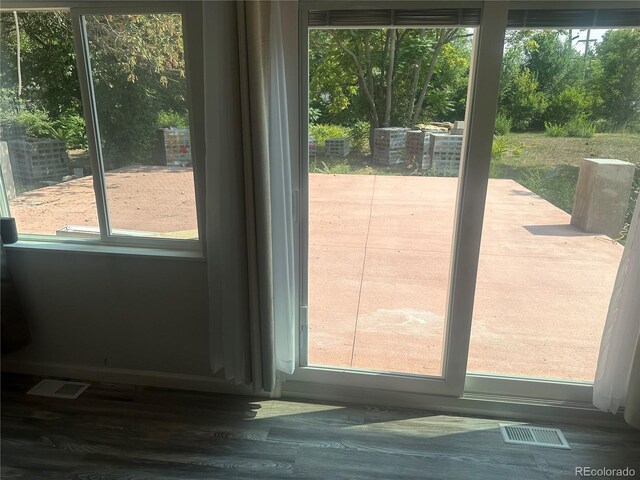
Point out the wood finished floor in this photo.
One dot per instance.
(115, 432)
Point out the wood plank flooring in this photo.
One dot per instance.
(115, 432)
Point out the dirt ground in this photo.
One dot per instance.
(146, 198)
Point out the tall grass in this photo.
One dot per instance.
(580, 127)
(503, 124)
(554, 130)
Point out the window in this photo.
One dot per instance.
(95, 129)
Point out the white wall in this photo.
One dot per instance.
(89, 310)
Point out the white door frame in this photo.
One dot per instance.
(482, 99)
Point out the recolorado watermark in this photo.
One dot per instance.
(605, 472)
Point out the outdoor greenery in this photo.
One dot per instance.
(388, 77)
(403, 77)
(138, 72)
(558, 102)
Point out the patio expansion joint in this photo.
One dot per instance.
(364, 261)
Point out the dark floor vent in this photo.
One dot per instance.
(59, 389)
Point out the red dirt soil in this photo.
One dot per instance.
(146, 198)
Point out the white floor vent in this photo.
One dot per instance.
(59, 389)
(538, 436)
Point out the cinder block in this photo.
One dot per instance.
(602, 195)
(173, 147)
(337, 147)
(417, 149)
(6, 172)
(444, 153)
(38, 160)
(389, 144)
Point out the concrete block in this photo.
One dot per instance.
(337, 147)
(6, 172)
(444, 153)
(602, 195)
(458, 128)
(389, 144)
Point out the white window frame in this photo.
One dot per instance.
(190, 21)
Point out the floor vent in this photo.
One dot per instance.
(59, 389)
(538, 436)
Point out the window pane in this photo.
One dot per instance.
(46, 173)
(564, 182)
(384, 151)
(138, 70)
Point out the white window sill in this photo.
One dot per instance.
(104, 249)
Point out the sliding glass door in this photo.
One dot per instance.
(479, 169)
(387, 184)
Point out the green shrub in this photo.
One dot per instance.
(602, 125)
(171, 118)
(580, 127)
(71, 130)
(359, 133)
(554, 130)
(37, 124)
(569, 103)
(503, 124)
(320, 132)
(632, 127)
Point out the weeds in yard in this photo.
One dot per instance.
(580, 127)
(337, 167)
(503, 124)
(499, 147)
(555, 130)
(557, 185)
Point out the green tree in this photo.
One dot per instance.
(138, 71)
(50, 78)
(570, 103)
(553, 61)
(389, 76)
(522, 101)
(618, 82)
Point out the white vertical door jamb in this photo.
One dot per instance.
(303, 186)
(484, 82)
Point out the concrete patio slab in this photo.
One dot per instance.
(542, 294)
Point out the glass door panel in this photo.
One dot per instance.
(562, 189)
(386, 126)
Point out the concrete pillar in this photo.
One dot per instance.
(602, 195)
